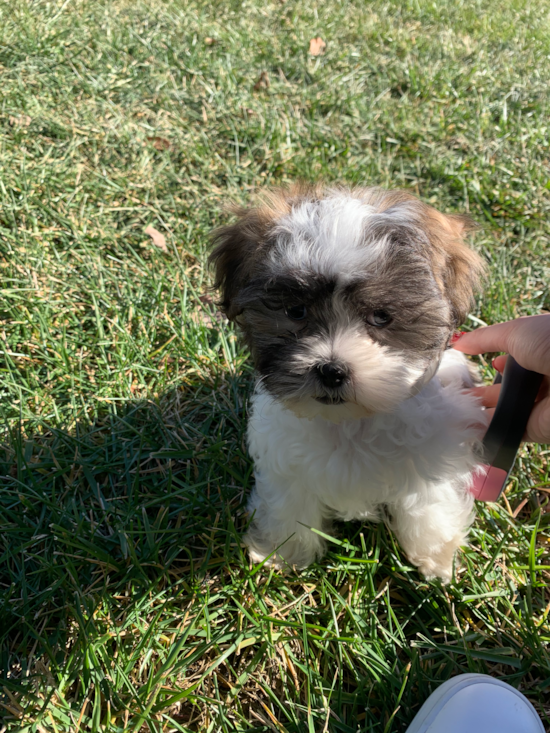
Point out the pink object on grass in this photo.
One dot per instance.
(488, 486)
(456, 336)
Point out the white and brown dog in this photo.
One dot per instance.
(348, 300)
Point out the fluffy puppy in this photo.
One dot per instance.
(347, 300)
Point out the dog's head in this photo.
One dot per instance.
(347, 298)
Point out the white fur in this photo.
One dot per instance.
(330, 236)
(381, 378)
(411, 467)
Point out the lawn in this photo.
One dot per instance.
(127, 602)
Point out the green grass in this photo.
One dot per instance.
(126, 600)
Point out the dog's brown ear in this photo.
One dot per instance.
(233, 257)
(237, 246)
(458, 268)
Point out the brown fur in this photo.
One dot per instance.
(457, 268)
(240, 247)
(237, 246)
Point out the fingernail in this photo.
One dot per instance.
(457, 335)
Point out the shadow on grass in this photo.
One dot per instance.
(142, 502)
(127, 603)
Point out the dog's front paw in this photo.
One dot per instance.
(258, 555)
(440, 563)
(296, 552)
(432, 570)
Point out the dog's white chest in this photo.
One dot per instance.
(357, 465)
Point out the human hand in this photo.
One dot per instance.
(528, 341)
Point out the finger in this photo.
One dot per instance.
(499, 363)
(488, 338)
(488, 395)
(526, 339)
(538, 427)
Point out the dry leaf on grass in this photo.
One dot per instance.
(20, 121)
(206, 299)
(210, 41)
(205, 318)
(263, 82)
(159, 143)
(159, 240)
(317, 46)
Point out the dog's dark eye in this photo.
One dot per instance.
(379, 318)
(296, 312)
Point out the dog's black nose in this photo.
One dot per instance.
(332, 375)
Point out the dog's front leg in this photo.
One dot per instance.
(431, 524)
(282, 515)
